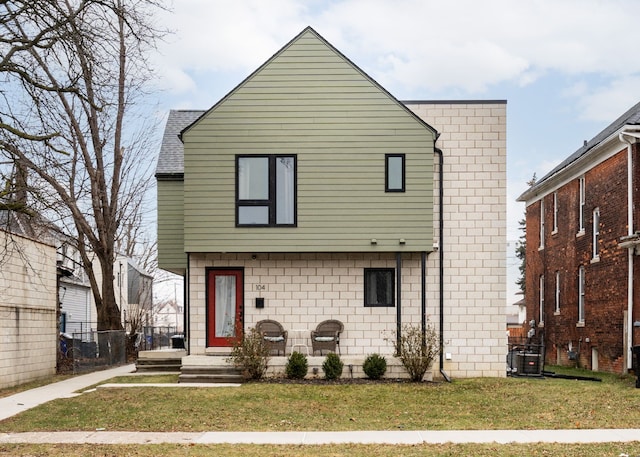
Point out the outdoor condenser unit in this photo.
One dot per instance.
(528, 363)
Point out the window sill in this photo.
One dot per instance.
(595, 259)
(580, 324)
(540, 248)
(556, 313)
(554, 232)
(580, 233)
(540, 324)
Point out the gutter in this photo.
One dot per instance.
(441, 258)
(629, 136)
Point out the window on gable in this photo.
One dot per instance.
(541, 224)
(596, 233)
(394, 173)
(379, 287)
(581, 205)
(555, 212)
(266, 190)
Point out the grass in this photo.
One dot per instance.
(347, 450)
(470, 404)
(483, 403)
(5, 392)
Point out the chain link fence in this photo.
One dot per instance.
(91, 351)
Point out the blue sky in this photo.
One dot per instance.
(567, 68)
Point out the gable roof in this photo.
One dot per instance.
(629, 117)
(171, 157)
(306, 31)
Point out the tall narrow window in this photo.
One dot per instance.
(581, 295)
(557, 294)
(581, 207)
(541, 223)
(394, 173)
(379, 287)
(596, 233)
(266, 190)
(555, 212)
(541, 317)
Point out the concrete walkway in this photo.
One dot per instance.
(15, 404)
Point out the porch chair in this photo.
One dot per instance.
(275, 336)
(326, 336)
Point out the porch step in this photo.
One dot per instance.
(212, 374)
(163, 365)
(159, 361)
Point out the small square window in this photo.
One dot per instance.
(379, 287)
(394, 173)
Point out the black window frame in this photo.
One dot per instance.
(271, 202)
(387, 188)
(367, 278)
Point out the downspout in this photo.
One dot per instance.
(186, 309)
(398, 299)
(441, 258)
(423, 291)
(635, 134)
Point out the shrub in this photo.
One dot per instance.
(332, 366)
(416, 351)
(297, 366)
(250, 354)
(375, 366)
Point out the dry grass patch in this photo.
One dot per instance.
(471, 404)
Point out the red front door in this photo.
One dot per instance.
(224, 306)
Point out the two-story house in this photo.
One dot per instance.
(582, 235)
(309, 192)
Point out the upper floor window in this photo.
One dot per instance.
(266, 190)
(555, 212)
(581, 207)
(596, 233)
(541, 223)
(394, 172)
(379, 287)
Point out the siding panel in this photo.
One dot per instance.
(311, 101)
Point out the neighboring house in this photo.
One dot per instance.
(134, 293)
(310, 193)
(28, 309)
(76, 315)
(582, 237)
(168, 314)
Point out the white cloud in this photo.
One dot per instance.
(605, 104)
(425, 45)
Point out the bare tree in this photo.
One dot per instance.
(73, 72)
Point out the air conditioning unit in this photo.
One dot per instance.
(528, 364)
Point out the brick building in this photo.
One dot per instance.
(583, 229)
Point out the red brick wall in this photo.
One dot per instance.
(564, 251)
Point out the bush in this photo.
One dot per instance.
(375, 366)
(251, 355)
(297, 366)
(332, 366)
(416, 351)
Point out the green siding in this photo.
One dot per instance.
(171, 254)
(310, 101)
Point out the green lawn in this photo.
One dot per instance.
(482, 403)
